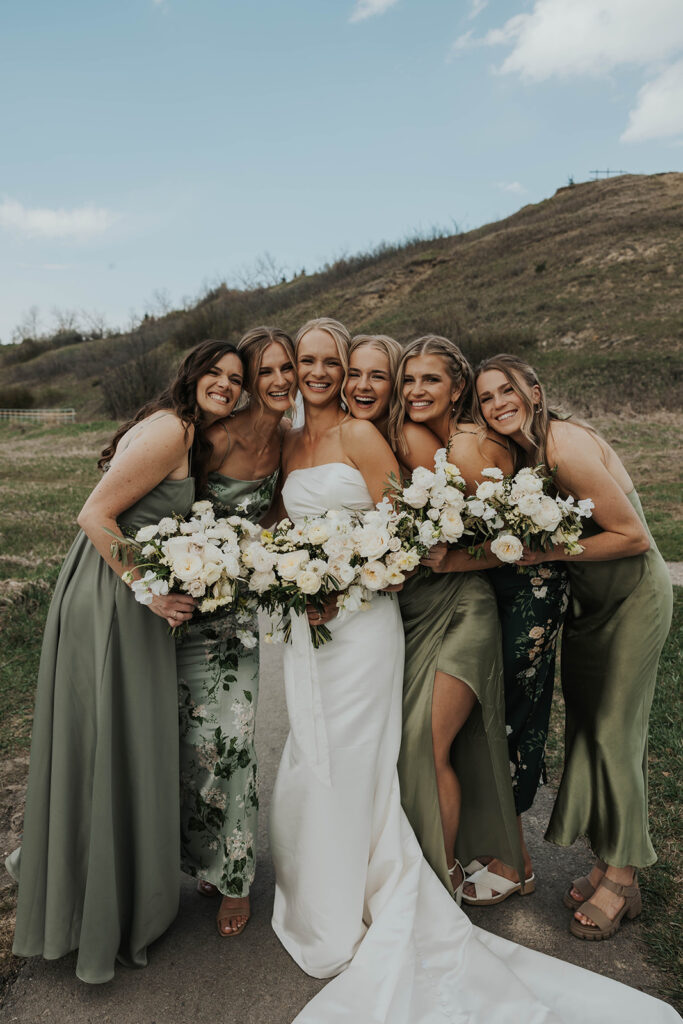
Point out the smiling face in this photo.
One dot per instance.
(275, 382)
(220, 387)
(428, 390)
(319, 368)
(506, 407)
(369, 384)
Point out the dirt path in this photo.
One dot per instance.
(194, 974)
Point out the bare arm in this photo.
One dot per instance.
(422, 446)
(159, 450)
(581, 471)
(369, 452)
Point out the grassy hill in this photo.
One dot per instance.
(587, 284)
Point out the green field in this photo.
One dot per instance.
(46, 475)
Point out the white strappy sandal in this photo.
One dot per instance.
(486, 883)
(457, 893)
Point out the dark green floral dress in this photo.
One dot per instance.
(218, 674)
(532, 602)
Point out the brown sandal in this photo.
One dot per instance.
(584, 886)
(604, 927)
(231, 907)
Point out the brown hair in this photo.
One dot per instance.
(535, 426)
(252, 347)
(180, 397)
(458, 369)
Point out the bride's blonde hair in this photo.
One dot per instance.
(339, 334)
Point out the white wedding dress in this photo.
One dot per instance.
(353, 893)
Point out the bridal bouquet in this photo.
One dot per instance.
(291, 566)
(199, 556)
(518, 511)
(430, 506)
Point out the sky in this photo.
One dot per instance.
(153, 148)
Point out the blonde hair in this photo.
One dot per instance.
(537, 417)
(340, 336)
(252, 347)
(458, 369)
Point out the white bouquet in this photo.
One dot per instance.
(199, 556)
(430, 506)
(515, 512)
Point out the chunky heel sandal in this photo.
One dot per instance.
(604, 927)
(487, 883)
(584, 886)
(457, 893)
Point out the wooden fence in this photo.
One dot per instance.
(39, 415)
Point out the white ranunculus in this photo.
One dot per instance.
(423, 478)
(493, 473)
(373, 575)
(289, 564)
(259, 582)
(187, 567)
(507, 548)
(452, 526)
(395, 544)
(146, 533)
(416, 497)
(549, 515)
(308, 582)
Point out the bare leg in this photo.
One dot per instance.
(452, 702)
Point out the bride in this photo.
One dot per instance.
(353, 892)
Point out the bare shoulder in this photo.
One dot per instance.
(163, 427)
(570, 442)
(418, 434)
(356, 433)
(470, 441)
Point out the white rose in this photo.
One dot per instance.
(187, 567)
(452, 526)
(211, 572)
(527, 484)
(549, 515)
(338, 546)
(196, 588)
(259, 582)
(528, 504)
(394, 576)
(231, 566)
(454, 496)
(317, 532)
(373, 575)
(395, 544)
(167, 526)
(507, 548)
(422, 478)
(434, 514)
(493, 473)
(289, 564)
(146, 533)
(308, 582)
(427, 533)
(488, 489)
(407, 560)
(261, 560)
(372, 542)
(416, 497)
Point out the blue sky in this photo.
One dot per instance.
(154, 147)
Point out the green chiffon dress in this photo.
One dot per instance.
(451, 624)
(218, 674)
(98, 865)
(618, 620)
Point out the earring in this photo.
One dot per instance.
(539, 407)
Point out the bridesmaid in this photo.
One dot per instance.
(98, 868)
(453, 730)
(616, 626)
(218, 664)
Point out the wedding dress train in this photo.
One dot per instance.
(354, 896)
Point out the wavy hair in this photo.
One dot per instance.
(338, 333)
(391, 348)
(180, 397)
(251, 347)
(458, 369)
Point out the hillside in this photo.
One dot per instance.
(587, 284)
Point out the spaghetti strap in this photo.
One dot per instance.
(473, 433)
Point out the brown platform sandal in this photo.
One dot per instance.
(238, 906)
(584, 886)
(604, 927)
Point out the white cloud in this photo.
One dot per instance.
(42, 223)
(477, 7)
(588, 37)
(368, 8)
(659, 110)
(511, 186)
(562, 39)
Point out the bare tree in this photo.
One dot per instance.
(28, 326)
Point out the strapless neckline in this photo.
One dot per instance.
(324, 465)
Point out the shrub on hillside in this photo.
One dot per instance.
(16, 398)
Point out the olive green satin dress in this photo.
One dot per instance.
(98, 868)
(218, 677)
(451, 624)
(618, 620)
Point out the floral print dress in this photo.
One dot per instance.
(218, 675)
(532, 602)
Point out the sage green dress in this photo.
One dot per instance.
(218, 670)
(618, 620)
(98, 866)
(451, 624)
